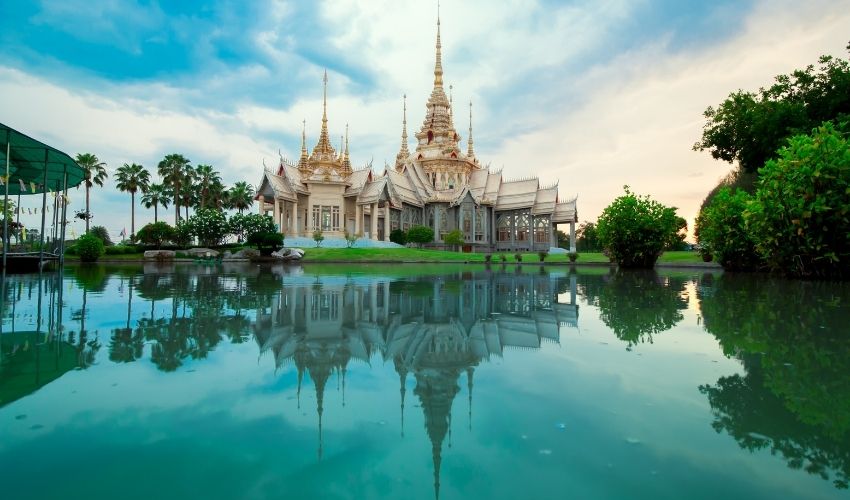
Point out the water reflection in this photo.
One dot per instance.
(794, 343)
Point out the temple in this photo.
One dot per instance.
(437, 184)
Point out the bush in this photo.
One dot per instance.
(518, 257)
(89, 247)
(420, 235)
(182, 234)
(488, 258)
(318, 237)
(351, 239)
(635, 229)
(121, 250)
(573, 256)
(101, 233)
(542, 255)
(800, 214)
(245, 225)
(503, 257)
(155, 233)
(398, 236)
(266, 242)
(209, 226)
(454, 238)
(722, 232)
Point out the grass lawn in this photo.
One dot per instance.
(416, 255)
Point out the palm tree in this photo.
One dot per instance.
(189, 192)
(131, 178)
(157, 194)
(94, 173)
(240, 196)
(207, 177)
(174, 169)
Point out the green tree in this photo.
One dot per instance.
(420, 235)
(207, 179)
(721, 231)
(209, 226)
(750, 127)
(156, 195)
(175, 171)
(131, 178)
(454, 238)
(246, 225)
(102, 233)
(94, 172)
(240, 196)
(89, 248)
(800, 214)
(318, 237)
(398, 236)
(635, 229)
(587, 238)
(155, 233)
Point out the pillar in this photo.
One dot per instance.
(553, 231)
(276, 212)
(474, 215)
(387, 222)
(358, 218)
(295, 217)
(309, 222)
(261, 206)
(572, 236)
(437, 223)
(373, 221)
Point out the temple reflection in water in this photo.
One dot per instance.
(434, 328)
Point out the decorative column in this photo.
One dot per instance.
(553, 231)
(387, 222)
(276, 213)
(373, 221)
(437, 223)
(474, 214)
(358, 218)
(572, 236)
(309, 224)
(295, 216)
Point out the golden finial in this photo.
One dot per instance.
(403, 153)
(325, 98)
(470, 151)
(346, 140)
(438, 67)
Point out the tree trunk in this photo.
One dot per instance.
(132, 215)
(88, 214)
(155, 217)
(176, 204)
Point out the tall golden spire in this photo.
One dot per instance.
(324, 150)
(302, 161)
(438, 67)
(346, 167)
(470, 151)
(403, 153)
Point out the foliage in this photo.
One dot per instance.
(183, 234)
(208, 181)
(587, 238)
(573, 256)
(503, 257)
(542, 255)
(101, 233)
(488, 258)
(156, 195)
(398, 236)
(246, 225)
(351, 239)
(635, 229)
(209, 226)
(420, 235)
(155, 233)
(677, 243)
(266, 241)
(89, 247)
(240, 196)
(800, 214)
(176, 173)
(518, 257)
(121, 250)
(318, 237)
(454, 238)
(750, 127)
(94, 172)
(637, 304)
(723, 234)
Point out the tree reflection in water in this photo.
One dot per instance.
(793, 341)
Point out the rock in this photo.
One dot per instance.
(202, 252)
(288, 254)
(241, 255)
(159, 255)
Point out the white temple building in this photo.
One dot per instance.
(437, 185)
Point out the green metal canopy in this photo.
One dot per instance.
(30, 159)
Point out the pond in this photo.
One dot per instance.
(404, 381)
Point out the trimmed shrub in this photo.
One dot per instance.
(182, 234)
(121, 250)
(398, 236)
(542, 255)
(454, 238)
(573, 256)
(420, 235)
(245, 225)
(101, 233)
(518, 257)
(209, 226)
(318, 237)
(155, 233)
(722, 232)
(635, 229)
(351, 239)
(89, 247)
(800, 214)
(266, 242)
(488, 258)
(503, 257)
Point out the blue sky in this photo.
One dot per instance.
(592, 94)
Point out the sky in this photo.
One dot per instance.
(591, 94)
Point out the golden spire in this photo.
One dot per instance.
(341, 150)
(323, 148)
(403, 153)
(451, 99)
(346, 169)
(302, 162)
(470, 152)
(438, 67)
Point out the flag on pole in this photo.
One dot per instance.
(24, 233)
(32, 187)
(23, 186)
(123, 233)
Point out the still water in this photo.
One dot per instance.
(361, 382)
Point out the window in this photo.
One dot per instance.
(522, 228)
(326, 217)
(541, 230)
(335, 219)
(503, 228)
(316, 211)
